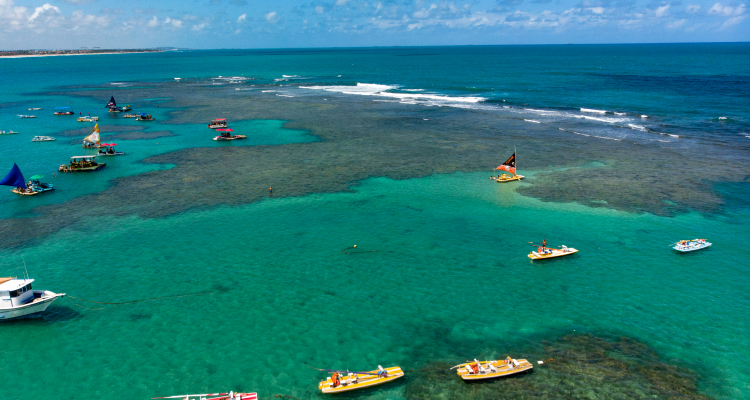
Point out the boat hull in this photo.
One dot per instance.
(502, 370)
(688, 249)
(512, 178)
(119, 153)
(66, 168)
(235, 137)
(49, 189)
(555, 253)
(326, 386)
(36, 307)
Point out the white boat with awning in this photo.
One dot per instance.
(18, 299)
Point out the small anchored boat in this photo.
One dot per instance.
(218, 123)
(34, 109)
(93, 140)
(112, 105)
(227, 135)
(338, 383)
(214, 396)
(477, 370)
(129, 116)
(144, 117)
(82, 164)
(18, 299)
(509, 166)
(88, 118)
(684, 246)
(20, 186)
(63, 111)
(43, 139)
(8, 133)
(109, 150)
(543, 252)
(27, 116)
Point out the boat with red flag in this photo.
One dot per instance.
(112, 105)
(226, 134)
(214, 396)
(509, 166)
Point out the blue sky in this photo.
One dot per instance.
(333, 23)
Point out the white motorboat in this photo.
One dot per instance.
(684, 246)
(7, 133)
(18, 299)
(27, 116)
(42, 139)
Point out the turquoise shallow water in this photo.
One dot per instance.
(451, 258)
(444, 275)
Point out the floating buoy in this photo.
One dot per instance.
(355, 246)
(540, 362)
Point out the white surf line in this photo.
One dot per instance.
(532, 120)
(591, 110)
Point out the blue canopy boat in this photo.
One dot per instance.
(15, 179)
(112, 105)
(63, 111)
(144, 117)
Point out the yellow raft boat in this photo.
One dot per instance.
(359, 380)
(477, 370)
(508, 178)
(552, 253)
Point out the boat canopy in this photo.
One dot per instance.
(143, 114)
(220, 119)
(109, 144)
(79, 157)
(35, 177)
(63, 109)
(3, 280)
(14, 178)
(225, 130)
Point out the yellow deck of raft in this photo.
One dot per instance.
(509, 178)
(493, 369)
(361, 381)
(555, 253)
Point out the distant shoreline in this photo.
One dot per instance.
(89, 53)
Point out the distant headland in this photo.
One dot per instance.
(79, 52)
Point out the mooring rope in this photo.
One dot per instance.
(129, 302)
(362, 252)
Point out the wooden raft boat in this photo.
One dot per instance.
(552, 253)
(476, 370)
(508, 178)
(360, 380)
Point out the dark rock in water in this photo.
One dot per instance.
(583, 367)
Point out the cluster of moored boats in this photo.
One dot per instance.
(345, 380)
(225, 132)
(544, 252)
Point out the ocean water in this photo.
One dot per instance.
(440, 272)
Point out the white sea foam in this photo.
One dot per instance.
(669, 134)
(372, 89)
(619, 113)
(289, 76)
(638, 127)
(532, 120)
(115, 83)
(584, 134)
(283, 95)
(591, 110)
(644, 116)
(268, 91)
(413, 90)
(722, 118)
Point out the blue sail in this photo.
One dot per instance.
(14, 178)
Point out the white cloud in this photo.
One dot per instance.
(153, 22)
(424, 13)
(272, 17)
(319, 9)
(341, 2)
(727, 11)
(692, 8)
(198, 27)
(177, 23)
(676, 24)
(242, 18)
(733, 21)
(45, 10)
(596, 10)
(661, 11)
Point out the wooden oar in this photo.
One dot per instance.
(459, 365)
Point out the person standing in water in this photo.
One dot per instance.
(270, 191)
